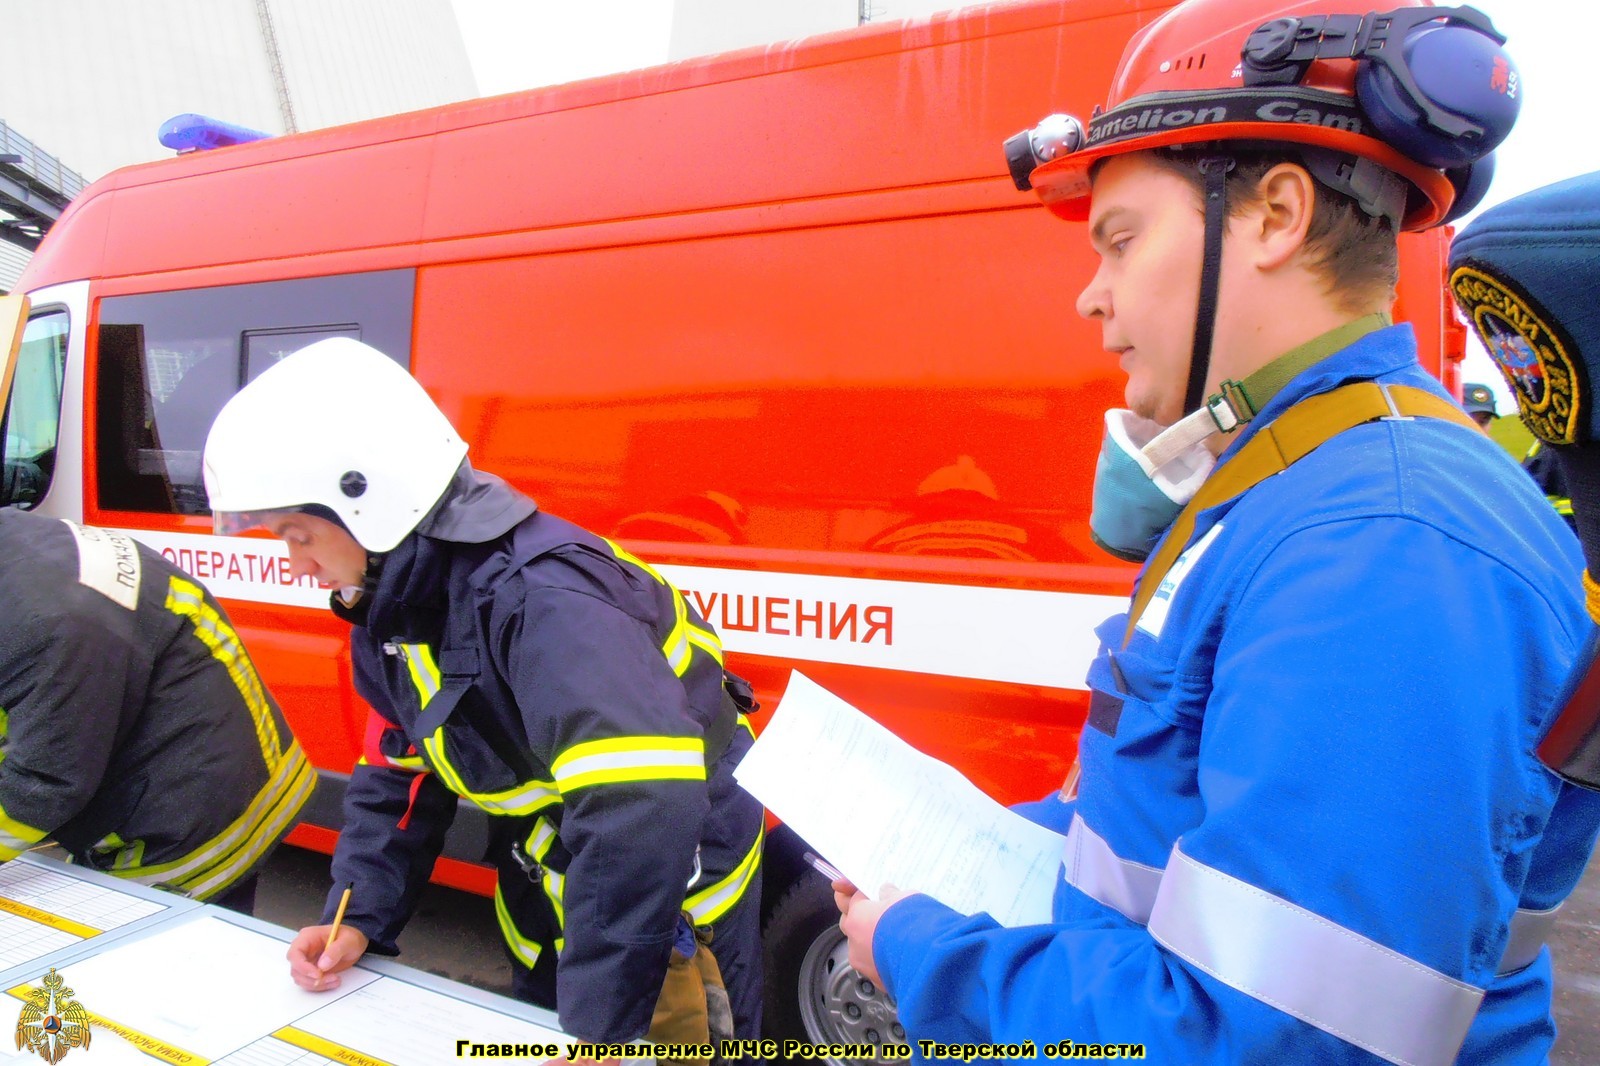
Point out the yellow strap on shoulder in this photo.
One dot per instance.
(1293, 435)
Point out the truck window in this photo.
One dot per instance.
(167, 362)
(33, 415)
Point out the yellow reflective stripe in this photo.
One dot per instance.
(685, 636)
(628, 557)
(424, 671)
(526, 951)
(555, 886)
(677, 651)
(129, 856)
(187, 600)
(525, 798)
(16, 837)
(744, 723)
(598, 762)
(270, 812)
(537, 846)
(676, 647)
(710, 904)
(434, 746)
(706, 641)
(1562, 504)
(279, 822)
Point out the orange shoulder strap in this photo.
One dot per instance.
(1293, 435)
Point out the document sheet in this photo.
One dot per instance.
(881, 811)
(42, 911)
(206, 991)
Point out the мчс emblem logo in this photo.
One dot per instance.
(1531, 350)
(52, 1021)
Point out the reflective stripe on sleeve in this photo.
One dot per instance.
(16, 837)
(1306, 966)
(1089, 865)
(619, 759)
(526, 951)
(710, 904)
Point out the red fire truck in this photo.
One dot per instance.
(777, 320)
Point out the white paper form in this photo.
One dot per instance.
(881, 811)
(393, 1022)
(42, 911)
(195, 991)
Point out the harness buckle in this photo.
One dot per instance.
(1231, 408)
(532, 868)
(1394, 414)
(694, 878)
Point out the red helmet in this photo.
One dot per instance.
(1425, 93)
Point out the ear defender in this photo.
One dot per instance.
(1455, 72)
(1434, 81)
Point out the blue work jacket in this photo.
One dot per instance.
(1311, 825)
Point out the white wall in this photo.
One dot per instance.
(12, 260)
(354, 59)
(91, 81)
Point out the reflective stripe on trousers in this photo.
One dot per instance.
(1257, 943)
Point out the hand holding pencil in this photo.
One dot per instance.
(320, 952)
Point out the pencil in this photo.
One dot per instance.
(333, 930)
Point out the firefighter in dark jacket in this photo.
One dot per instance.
(134, 731)
(526, 666)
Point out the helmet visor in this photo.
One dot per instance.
(232, 523)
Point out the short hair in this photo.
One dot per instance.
(1356, 254)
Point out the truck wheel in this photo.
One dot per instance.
(812, 994)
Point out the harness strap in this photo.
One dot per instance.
(1293, 435)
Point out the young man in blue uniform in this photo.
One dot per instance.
(1304, 833)
(526, 666)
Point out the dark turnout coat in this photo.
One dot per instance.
(564, 687)
(136, 732)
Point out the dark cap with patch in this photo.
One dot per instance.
(1526, 274)
(1477, 399)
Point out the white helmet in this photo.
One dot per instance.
(379, 460)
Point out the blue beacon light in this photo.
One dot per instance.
(189, 133)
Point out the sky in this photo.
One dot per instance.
(519, 44)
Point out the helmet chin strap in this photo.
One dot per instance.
(1215, 171)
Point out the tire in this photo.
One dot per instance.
(812, 994)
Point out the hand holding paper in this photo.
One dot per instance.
(905, 818)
